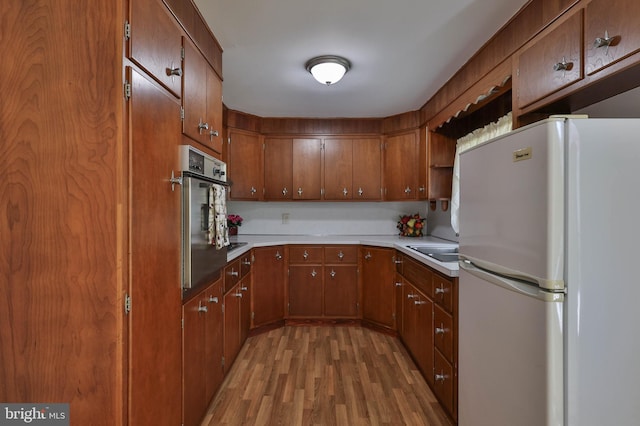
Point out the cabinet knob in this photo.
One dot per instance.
(278, 255)
(314, 273)
(233, 273)
(253, 190)
(605, 41)
(238, 295)
(344, 191)
(246, 262)
(563, 66)
(340, 255)
(440, 290)
(244, 288)
(367, 256)
(213, 133)
(419, 302)
(284, 191)
(202, 126)
(299, 191)
(407, 190)
(440, 330)
(440, 377)
(421, 189)
(174, 71)
(202, 308)
(411, 296)
(360, 192)
(213, 299)
(305, 255)
(399, 284)
(332, 273)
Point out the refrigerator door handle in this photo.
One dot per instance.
(530, 290)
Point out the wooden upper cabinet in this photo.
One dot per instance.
(550, 62)
(401, 166)
(155, 43)
(306, 168)
(612, 32)
(352, 169)
(278, 174)
(338, 169)
(367, 169)
(244, 165)
(202, 99)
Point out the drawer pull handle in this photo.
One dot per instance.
(253, 190)
(213, 299)
(399, 284)
(332, 273)
(314, 273)
(202, 308)
(563, 66)
(202, 126)
(340, 255)
(171, 72)
(244, 288)
(278, 255)
(440, 330)
(233, 273)
(305, 254)
(411, 296)
(440, 290)
(246, 262)
(284, 191)
(367, 256)
(419, 302)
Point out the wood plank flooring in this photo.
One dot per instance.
(324, 375)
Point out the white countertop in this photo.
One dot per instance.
(391, 241)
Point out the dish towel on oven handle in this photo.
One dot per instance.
(218, 229)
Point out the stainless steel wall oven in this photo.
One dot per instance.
(202, 258)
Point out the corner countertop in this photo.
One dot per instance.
(402, 244)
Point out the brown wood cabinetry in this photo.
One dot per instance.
(305, 281)
(551, 61)
(612, 32)
(306, 165)
(378, 286)
(156, 43)
(428, 326)
(154, 323)
(352, 168)
(244, 165)
(202, 99)
(401, 166)
(202, 351)
(441, 153)
(237, 306)
(278, 173)
(341, 295)
(267, 290)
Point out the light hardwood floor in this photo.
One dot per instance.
(324, 375)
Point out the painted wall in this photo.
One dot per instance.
(332, 218)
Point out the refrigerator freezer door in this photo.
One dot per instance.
(512, 209)
(510, 357)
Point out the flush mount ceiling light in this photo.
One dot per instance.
(328, 69)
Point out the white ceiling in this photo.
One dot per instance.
(402, 51)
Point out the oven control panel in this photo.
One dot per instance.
(197, 162)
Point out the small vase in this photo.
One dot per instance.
(233, 230)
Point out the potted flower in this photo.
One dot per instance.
(233, 221)
(411, 225)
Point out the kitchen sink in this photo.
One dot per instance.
(442, 254)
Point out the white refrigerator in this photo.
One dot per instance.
(549, 286)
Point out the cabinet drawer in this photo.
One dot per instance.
(443, 381)
(417, 274)
(245, 264)
(305, 254)
(552, 62)
(443, 332)
(443, 292)
(341, 254)
(231, 275)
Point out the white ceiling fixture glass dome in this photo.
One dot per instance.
(328, 69)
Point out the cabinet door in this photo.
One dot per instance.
(194, 334)
(397, 311)
(424, 334)
(194, 99)
(305, 290)
(378, 285)
(307, 155)
(245, 308)
(267, 291)
(155, 333)
(341, 291)
(612, 32)
(156, 43)
(367, 169)
(214, 110)
(244, 165)
(277, 169)
(443, 383)
(214, 339)
(552, 62)
(338, 169)
(401, 167)
(232, 342)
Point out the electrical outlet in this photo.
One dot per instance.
(285, 218)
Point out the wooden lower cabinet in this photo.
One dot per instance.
(268, 285)
(232, 309)
(417, 324)
(305, 290)
(341, 291)
(202, 352)
(378, 285)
